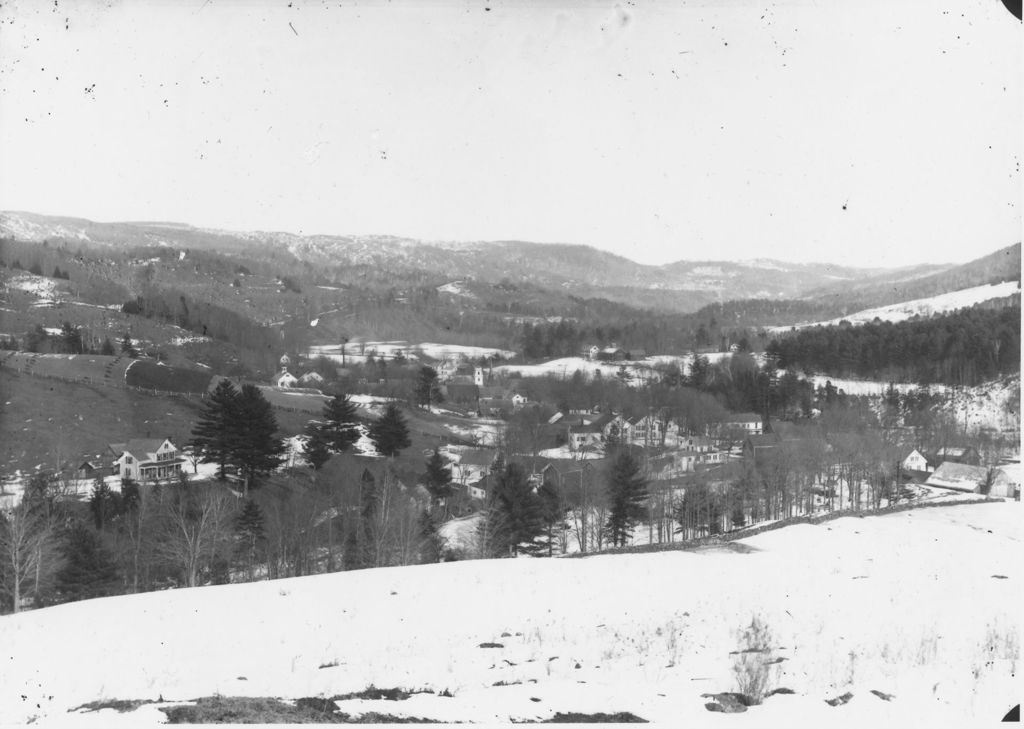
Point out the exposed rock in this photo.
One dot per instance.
(728, 703)
(839, 700)
(882, 695)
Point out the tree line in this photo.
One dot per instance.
(962, 348)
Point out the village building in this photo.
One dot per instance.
(462, 390)
(749, 423)
(284, 380)
(311, 379)
(956, 454)
(479, 488)
(585, 435)
(473, 464)
(93, 468)
(147, 459)
(959, 477)
(917, 461)
(1006, 481)
(761, 447)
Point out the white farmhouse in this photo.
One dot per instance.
(147, 459)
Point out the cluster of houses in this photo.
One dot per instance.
(612, 353)
(287, 381)
(596, 430)
(467, 385)
(959, 468)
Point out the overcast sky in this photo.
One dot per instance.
(868, 133)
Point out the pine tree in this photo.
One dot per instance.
(107, 348)
(89, 569)
(390, 434)
(249, 534)
(340, 429)
(553, 510)
(431, 541)
(71, 338)
(438, 477)
(514, 513)
(627, 494)
(127, 348)
(315, 448)
(212, 436)
(253, 445)
(103, 503)
(427, 389)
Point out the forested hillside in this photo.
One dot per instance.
(964, 348)
(1002, 265)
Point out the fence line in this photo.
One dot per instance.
(820, 518)
(84, 380)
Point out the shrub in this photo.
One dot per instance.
(752, 663)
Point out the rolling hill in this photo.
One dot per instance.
(577, 269)
(648, 634)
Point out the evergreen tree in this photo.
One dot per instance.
(127, 348)
(431, 541)
(390, 434)
(315, 448)
(427, 388)
(70, 338)
(107, 348)
(253, 443)
(340, 430)
(56, 273)
(553, 510)
(103, 503)
(627, 494)
(515, 514)
(249, 535)
(212, 436)
(89, 569)
(438, 477)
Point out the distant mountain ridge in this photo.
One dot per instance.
(578, 270)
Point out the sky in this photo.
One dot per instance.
(875, 133)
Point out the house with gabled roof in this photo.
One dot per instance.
(959, 477)
(584, 435)
(284, 380)
(472, 464)
(147, 459)
(311, 379)
(956, 454)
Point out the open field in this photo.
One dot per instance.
(939, 304)
(46, 421)
(920, 606)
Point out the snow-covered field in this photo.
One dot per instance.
(480, 432)
(358, 350)
(39, 286)
(565, 367)
(922, 606)
(564, 452)
(921, 307)
(869, 387)
(641, 370)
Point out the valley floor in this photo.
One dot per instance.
(922, 606)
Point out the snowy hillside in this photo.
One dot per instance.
(921, 307)
(921, 607)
